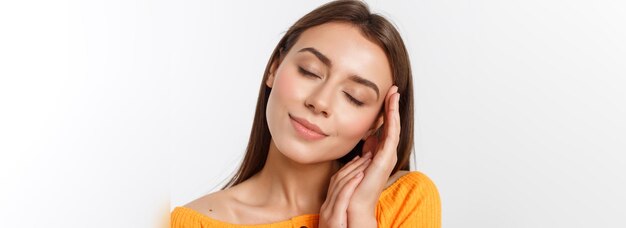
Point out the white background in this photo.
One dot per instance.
(112, 113)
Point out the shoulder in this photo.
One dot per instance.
(215, 206)
(208, 201)
(410, 180)
(412, 198)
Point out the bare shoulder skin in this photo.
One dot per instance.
(224, 206)
(216, 205)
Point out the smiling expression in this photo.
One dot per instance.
(327, 93)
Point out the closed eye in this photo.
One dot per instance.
(353, 100)
(350, 98)
(307, 73)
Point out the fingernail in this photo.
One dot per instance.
(355, 158)
(397, 100)
(368, 155)
(360, 174)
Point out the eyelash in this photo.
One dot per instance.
(350, 98)
(353, 100)
(304, 72)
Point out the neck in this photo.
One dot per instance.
(299, 188)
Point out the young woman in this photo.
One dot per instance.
(332, 134)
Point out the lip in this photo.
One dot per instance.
(307, 129)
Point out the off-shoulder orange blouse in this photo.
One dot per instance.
(411, 201)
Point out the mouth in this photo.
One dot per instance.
(306, 129)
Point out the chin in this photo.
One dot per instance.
(298, 153)
(303, 154)
(305, 160)
(309, 153)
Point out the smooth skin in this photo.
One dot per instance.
(354, 190)
(302, 176)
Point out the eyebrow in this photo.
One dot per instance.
(354, 78)
(365, 82)
(318, 54)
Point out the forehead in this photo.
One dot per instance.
(350, 52)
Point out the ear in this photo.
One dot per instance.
(271, 75)
(270, 79)
(272, 72)
(375, 126)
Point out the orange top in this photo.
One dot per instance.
(411, 201)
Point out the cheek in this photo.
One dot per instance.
(354, 127)
(283, 98)
(287, 86)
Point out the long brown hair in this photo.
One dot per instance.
(374, 27)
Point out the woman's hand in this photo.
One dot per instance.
(365, 197)
(354, 190)
(333, 212)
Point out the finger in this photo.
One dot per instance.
(386, 156)
(360, 168)
(334, 177)
(391, 134)
(343, 198)
(377, 173)
(388, 101)
(392, 129)
(355, 158)
(340, 183)
(341, 173)
(346, 169)
(390, 92)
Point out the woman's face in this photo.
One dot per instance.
(334, 78)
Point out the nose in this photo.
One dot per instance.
(319, 100)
